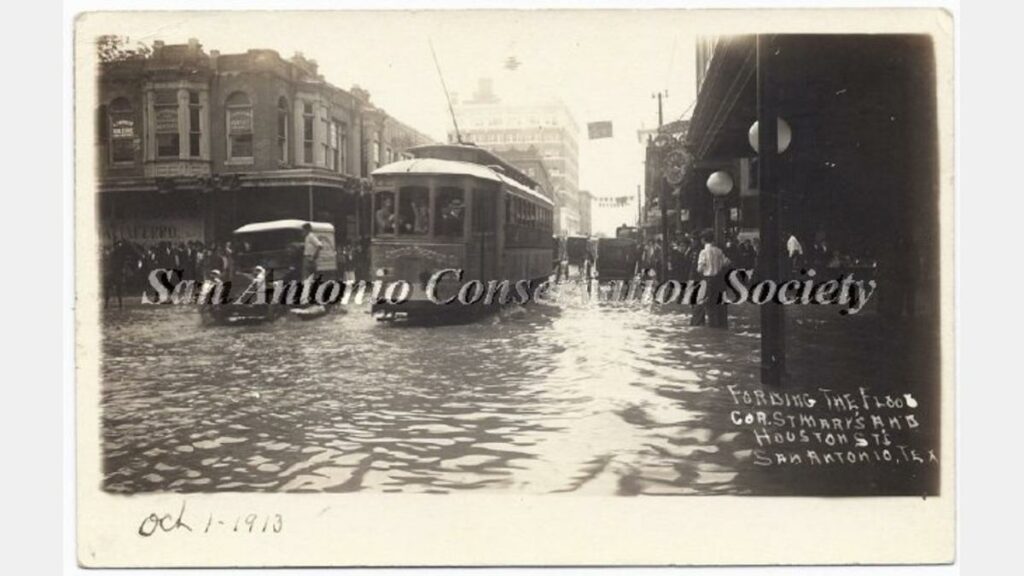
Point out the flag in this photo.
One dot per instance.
(597, 130)
(613, 201)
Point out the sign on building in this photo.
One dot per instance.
(154, 231)
(597, 130)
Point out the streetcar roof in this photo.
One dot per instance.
(435, 166)
(289, 224)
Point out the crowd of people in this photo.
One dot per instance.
(743, 253)
(125, 266)
(700, 257)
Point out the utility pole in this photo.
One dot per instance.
(773, 353)
(662, 195)
(639, 211)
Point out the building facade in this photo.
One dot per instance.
(510, 128)
(859, 179)
(664, 207)
(191, 145)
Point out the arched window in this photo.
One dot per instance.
(282, 130)
(239, 118)
(121, 131)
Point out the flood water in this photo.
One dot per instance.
(594, 398)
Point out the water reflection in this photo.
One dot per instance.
(580, 397)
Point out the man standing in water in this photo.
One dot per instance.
(711, 263)
(311, 246)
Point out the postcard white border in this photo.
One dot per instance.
(500, 529)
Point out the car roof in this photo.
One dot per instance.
(288, 224)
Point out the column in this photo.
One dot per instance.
(183, 128)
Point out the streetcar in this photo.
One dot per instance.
(455, 207)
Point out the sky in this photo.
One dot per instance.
(605, 66)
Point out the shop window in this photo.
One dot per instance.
(239, 109)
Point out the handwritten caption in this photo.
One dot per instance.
(180, 521)
(824, 427)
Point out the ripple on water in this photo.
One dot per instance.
(529, 401)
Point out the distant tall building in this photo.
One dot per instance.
(586, 224)
(510, 130)
(530, 161)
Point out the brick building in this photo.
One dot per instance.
(192, 145)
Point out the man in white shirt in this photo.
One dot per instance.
(711, 264)
(796, 254)
(311, 246)
(794, 247)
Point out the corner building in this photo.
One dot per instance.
(193, 145)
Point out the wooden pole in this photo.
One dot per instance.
(639, 211)
(662, 201)
(772, 315)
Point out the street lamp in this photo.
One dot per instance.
(785, 135)
(720, 185)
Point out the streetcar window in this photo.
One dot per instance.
(449, 212)
(413, 210)
(484, 202)
(384, 215)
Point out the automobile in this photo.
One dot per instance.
(268, 252)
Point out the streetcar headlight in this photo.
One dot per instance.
(381, 272)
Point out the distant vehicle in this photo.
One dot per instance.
(577, 248)
(628, 232)
(455, 206)
(617, 258)
(273, 250)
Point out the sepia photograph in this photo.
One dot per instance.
(479, 256)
